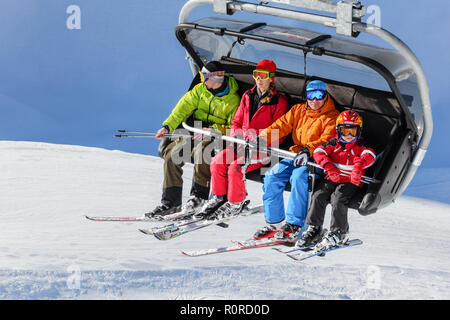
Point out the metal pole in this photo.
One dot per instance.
(275, 151)
(424, 93)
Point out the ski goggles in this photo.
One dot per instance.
(216, 75)
(315, 94)
(345, 131)
(262, 74)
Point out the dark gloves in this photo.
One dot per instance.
(301, 159)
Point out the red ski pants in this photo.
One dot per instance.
(227, 177)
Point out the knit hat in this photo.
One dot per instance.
(214, 66)
(316, 85)
(267, 65)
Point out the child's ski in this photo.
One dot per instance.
(301, 255)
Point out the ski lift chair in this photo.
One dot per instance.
(386, 86)
(380, 124)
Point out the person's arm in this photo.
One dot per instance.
(328, 133)
(185, 107)
(283, 125)
(238, 119)
(366, 159)
(321, 157)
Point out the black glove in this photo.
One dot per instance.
(302, 158)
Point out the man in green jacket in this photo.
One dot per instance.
(213, 102)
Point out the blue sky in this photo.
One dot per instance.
(125, 69)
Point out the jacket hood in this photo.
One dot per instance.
(326, 108)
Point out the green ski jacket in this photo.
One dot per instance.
(218, 111)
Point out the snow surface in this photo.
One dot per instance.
(48, 250)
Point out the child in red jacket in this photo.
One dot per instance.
(344, 160)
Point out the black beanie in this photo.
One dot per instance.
(213, 66)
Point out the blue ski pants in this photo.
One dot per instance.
(275, 182)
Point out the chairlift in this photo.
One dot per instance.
(387, 87)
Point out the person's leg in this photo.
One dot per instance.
(173, 172)
(319, 202)
(219, 171)
(236, 183)
(275, 182)
(339, 207)
(201, 179)
(298, 200)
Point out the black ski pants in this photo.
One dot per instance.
(336, 194)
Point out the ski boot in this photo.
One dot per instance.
(162, 210)
(267, 231)
(310, 237)
(210, 207)
(332, 239)
(289, 232)
(228, 209)
(192, 205)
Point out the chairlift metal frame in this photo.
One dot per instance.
(345, 17)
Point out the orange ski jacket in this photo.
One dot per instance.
(310, 128)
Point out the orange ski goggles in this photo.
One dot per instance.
(345, 131)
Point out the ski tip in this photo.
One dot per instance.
(223, 225)
(88, 217)
(144, 231)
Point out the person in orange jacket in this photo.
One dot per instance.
(311, 124)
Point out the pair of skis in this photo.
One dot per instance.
(189, 224)
(285, 246)
(177, 229)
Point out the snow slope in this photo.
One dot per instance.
(49, 251)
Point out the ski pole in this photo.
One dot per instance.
(291, 155)
(270, 150)
(148, 135)
(136, 132)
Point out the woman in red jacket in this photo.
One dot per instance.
(259, 107)
(344, 160)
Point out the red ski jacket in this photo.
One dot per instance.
(263, 116)
(344, 155)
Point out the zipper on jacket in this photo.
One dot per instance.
(209, 110)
